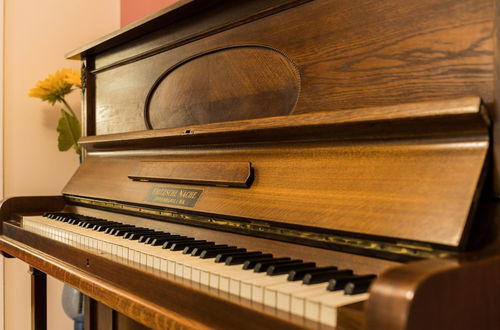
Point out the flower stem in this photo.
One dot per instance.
(68, 107)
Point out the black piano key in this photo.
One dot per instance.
(298, 275)
(116, 229)
(208, 253)
(86, 224)
(221, 257)
(250, 264)
(199, 249)
(160, 240)
(109, 230)
(169, 241)
(325, 276)
(136, 235)
(179, 246)
(110, 226)
(91, 224)
(241, 259)
(262, 266)
(286, 268)
(148, 239)
(131, 229)
(189, 249)
(120, 232)
(107, 225)
(341, 282)
(357, 287)
(149, 236)
(62, 217)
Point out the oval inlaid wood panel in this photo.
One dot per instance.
(224, 85)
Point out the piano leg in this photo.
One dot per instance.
(100, 317)
(38, 299)
(89, 312)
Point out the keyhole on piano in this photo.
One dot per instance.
(87, 263)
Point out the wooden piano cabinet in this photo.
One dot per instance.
(354, 133)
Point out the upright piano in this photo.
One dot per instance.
(280, 164)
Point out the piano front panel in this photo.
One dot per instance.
(411, 190)
(355, 54)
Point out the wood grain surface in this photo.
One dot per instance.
(310, 93)
(226, 84)
(418, 189)
(356, 54)
(222, 174)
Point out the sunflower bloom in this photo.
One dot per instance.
(73, 77)
(53, 88)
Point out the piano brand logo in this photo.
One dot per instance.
(174, 196)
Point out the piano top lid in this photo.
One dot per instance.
(150, 23)
(174, 13)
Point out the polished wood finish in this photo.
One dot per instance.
(226, 84)
(423, 294)
(223, 174)
(356, 54)
(38, 299)
(369, 66)
(356, 120)
(414, 190)
(413, 120)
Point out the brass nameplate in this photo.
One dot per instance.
(174, 196)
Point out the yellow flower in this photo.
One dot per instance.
(73, 77)
(53, 88)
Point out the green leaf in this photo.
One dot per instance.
(69, 132)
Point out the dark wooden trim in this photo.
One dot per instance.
(423, 119)
(88, 99)
(38, 299)
(175, 13)
(495, 107)
(89, 313)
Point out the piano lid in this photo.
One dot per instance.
(419, 187)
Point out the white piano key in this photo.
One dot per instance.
(313, 302)
(179, 269)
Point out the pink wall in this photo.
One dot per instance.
(132, 10)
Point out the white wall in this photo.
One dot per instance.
(37, 35)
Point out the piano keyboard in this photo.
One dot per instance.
(289, 285)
